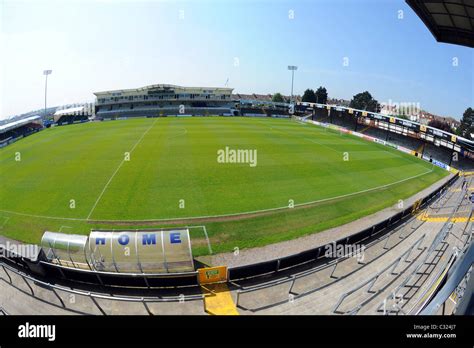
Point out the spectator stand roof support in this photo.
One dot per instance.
(450, 21)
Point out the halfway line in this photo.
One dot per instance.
(116, 171)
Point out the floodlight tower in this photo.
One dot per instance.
(292, 68)
(46, 73)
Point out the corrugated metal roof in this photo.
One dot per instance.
(69, 111)
(12, 125)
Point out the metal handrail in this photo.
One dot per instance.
(429, 198)
(305, 273)
(439, 239)
(120, 274)
(299, 275)
(101, 296)
(372, 280)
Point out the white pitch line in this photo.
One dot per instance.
(4, 222)
(233, 214)
(206, 235)
(116, 170)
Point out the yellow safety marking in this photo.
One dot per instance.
(419, 149)
(218, 300)
(427, 218)
(452, 170)
(434, 286)
(459, 190)
(467, 173)
(454, 296)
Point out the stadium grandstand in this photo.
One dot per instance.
(448, 21)
(15, 130)
(74, 114)
(442, 148)
(164, 100)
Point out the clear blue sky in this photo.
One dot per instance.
(101, 45)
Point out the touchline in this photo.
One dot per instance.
(37, 331)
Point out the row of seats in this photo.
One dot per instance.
(430, 150)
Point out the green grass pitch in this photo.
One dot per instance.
(172, 173)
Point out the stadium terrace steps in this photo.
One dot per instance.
(323, 301)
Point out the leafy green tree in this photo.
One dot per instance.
(278, 98)
(309, 96)
(467, 124)
(365, 101)
(321, 95)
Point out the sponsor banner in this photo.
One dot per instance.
(393, 146)
(380, 141)
(369, 138)
(212, 274)
(440, 164)
(255, 115)
(404, 149)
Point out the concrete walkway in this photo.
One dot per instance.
(294, 246)
(323, 288)
(321, 291)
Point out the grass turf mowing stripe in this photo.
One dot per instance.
(118, 168)
(177, 159)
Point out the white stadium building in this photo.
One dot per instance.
(164, 100)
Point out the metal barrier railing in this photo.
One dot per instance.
(393, 265)
(439, 239)
(427, 294)
(293, 278)
(266, 268)
(91, 295)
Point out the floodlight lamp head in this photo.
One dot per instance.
(47, 72)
